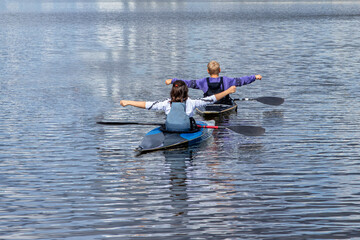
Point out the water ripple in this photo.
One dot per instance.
(67, 65)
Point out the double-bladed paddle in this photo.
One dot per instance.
(245, 130)
(275, 101)
(128, 123)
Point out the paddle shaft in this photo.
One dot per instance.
(213, 127)
(245, 130)
(128, 123)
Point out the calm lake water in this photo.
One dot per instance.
(67, 64)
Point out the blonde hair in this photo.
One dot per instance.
(213, 67)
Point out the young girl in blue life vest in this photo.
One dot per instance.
(179, 109)
(215, 84)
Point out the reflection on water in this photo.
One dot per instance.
(66, 64)
(273, 118)
(178, 162)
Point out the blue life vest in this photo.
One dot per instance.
(177, 120)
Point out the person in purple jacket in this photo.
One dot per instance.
(215, 84)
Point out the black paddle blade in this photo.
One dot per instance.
(248, 130)
(275, 101)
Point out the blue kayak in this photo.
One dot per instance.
(157, 139)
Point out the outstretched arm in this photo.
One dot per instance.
(246, 80)
(139, 104)
(189, 83)
(219, 96)
(168, 81)
(213, 98)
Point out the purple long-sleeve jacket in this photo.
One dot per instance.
(228, 82)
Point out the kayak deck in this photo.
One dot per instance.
(216, 109)
(157, 139)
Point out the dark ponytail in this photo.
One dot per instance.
(179, 92)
